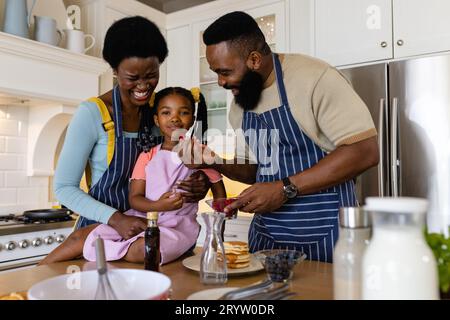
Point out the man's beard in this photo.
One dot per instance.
(250, 90)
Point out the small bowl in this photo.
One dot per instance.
(218, 205)
(128, 284)
(279, 263)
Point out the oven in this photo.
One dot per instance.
(27, 239)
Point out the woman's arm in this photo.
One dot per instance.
(81, 138)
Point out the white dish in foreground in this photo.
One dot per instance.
(210, 294)
(193, 263)
(128, 284)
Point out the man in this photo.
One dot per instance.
(314, 132)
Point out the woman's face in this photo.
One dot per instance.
(137, 78)
(174, 112)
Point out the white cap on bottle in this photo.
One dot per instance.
(398, 204)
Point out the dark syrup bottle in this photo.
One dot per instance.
(152, 252)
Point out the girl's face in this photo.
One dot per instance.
(174, 112)
(137, 78)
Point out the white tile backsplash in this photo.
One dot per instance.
(2, 144)
(18, 192)
(9, 127)
(8, 196)
(16, 179)
(16, 145)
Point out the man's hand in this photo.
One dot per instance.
(196, 187)
(194, 154)
(263, 197)
(127, 226)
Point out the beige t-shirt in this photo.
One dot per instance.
(323, 103)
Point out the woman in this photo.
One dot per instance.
(107, 133)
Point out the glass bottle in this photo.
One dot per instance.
(398, 264)
(354, 235)
(151, 238)
(213, 264)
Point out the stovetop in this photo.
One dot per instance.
(13, 220)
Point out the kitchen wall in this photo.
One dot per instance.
(17, 191)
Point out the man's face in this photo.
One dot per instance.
(234, 74)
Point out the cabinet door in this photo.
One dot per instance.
(421, 27)
(353, 31)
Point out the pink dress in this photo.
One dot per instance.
(179, 229)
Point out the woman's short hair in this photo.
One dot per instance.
(133, 37)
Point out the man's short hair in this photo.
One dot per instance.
(240, 30)
(133, 37)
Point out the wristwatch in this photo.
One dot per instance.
(289, 189)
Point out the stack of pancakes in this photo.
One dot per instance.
(237, 254)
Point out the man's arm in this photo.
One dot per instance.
(344, 163)
(245, 173)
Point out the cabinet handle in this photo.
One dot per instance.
(230, 235)
(384, 44)
(400, 42)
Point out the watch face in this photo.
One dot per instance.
(291, 191)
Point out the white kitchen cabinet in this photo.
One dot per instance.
(353, 31)
(420, 27)
(358, 31)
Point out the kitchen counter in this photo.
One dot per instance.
(312, 280)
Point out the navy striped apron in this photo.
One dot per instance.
(112, 188)
(308, 223)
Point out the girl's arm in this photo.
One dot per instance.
(167, 202)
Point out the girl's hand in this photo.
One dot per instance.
(170, 201)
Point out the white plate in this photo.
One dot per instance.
(193, 263)
(210, 294)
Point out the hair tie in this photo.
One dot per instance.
(196, 94)
(152, 99)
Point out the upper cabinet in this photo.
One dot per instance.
(420, 27)
(353, 31)
(357, 31)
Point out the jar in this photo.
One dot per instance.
(213, 263)
(398, 264)
(354, 235)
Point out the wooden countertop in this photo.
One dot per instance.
(312, 280)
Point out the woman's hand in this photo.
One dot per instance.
(170, 201)
(127, 226)
(196, 187)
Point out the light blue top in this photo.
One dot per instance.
(86, 140)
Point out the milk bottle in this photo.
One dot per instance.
(398, 264)
(354, 235)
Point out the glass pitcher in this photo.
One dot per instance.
(213, 264)
(398, 264)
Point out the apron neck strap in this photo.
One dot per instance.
(117, 115)
(279, 79)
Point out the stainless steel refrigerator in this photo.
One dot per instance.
(410, 105)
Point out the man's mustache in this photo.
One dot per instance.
(230, 87)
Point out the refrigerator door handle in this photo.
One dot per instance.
(394, 148)
(381, 148)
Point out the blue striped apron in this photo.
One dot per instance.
(308, 223)
(112, 188)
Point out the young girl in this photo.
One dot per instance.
(154, 188)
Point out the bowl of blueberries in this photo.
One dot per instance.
(279, 263)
